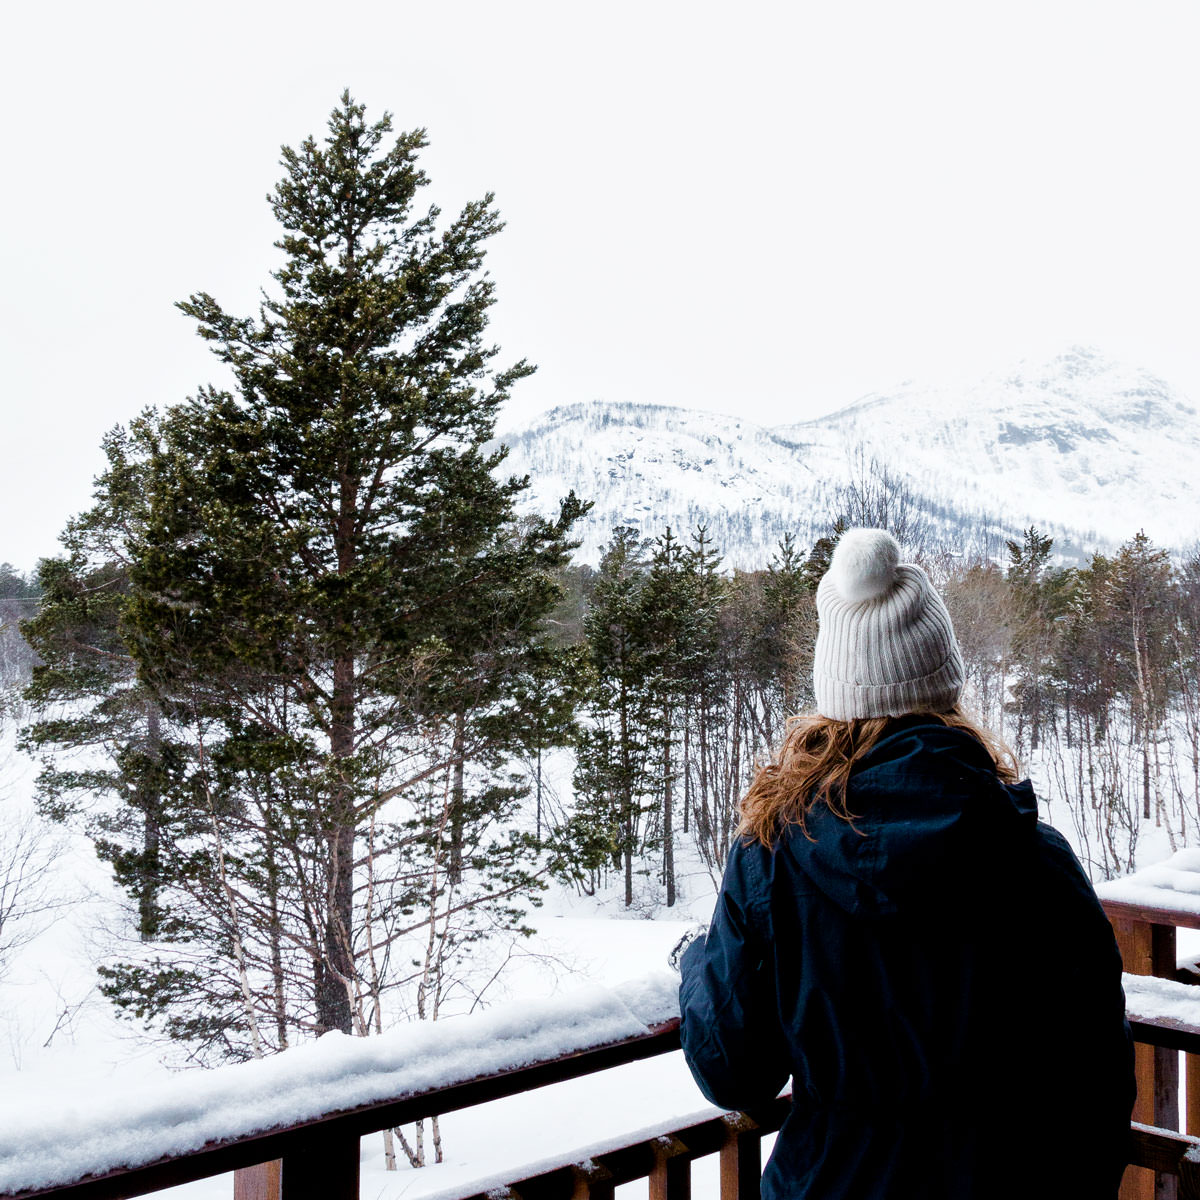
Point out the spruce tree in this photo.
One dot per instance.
(1041, 594)
(331, 565)
(613, 763)
(1186, 666)
(1142, 618)
(547, 692)
(786, 631)
(821, 554)
(704, 672)
(85, 694)
(668, 628)
(651, 638)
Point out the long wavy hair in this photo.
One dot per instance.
(814, 765)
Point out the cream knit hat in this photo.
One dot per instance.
(885, 645)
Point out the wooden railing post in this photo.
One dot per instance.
(741, 1159)
(1191, 1063)
(593, 1181)
(671, 1175)
(258, 1183)
(1166, 1060)
(1135, 941)
(1149, 949)
(327, 1168)
(1189, 1174)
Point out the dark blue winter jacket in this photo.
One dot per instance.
(937, 978)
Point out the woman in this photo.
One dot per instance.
(899, 933)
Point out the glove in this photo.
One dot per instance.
(680, 947)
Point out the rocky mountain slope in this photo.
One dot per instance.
(1087, 449)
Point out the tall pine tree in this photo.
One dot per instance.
(330, 551)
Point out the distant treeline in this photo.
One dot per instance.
(18, 600)
(1090, 673)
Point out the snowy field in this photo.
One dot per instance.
(60, 1043)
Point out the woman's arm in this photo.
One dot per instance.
(731, 1035)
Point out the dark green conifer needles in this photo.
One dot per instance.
(333, 603)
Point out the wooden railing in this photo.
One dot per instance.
(664, 1160)
(1146, 936)
(320, 1158)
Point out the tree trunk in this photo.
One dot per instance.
(333, 1000)
(539, 793)
(150, 803)
(1143, 686)
(333, 1003)
(735, 778)
(334, 1010)
(687, 764)
(668, 806)
(281, 1030)
(1145, 776)
(626, 798)
(457, 797)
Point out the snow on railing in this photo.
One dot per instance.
(1163, 1003)
(1172, 887)
(42, 1147)
(321, 1097)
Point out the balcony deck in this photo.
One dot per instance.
(317, 1153)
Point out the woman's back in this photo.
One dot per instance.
(943, 986)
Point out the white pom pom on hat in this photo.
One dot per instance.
(864, 564)
(885, 644)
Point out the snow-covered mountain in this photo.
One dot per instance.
(1087, 449)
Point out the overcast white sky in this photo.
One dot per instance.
(768, 209)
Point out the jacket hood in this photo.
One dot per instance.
(933, 826)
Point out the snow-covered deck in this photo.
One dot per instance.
(326, 1094)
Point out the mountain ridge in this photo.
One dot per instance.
(1087, 449)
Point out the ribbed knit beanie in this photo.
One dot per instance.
(885, 645)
